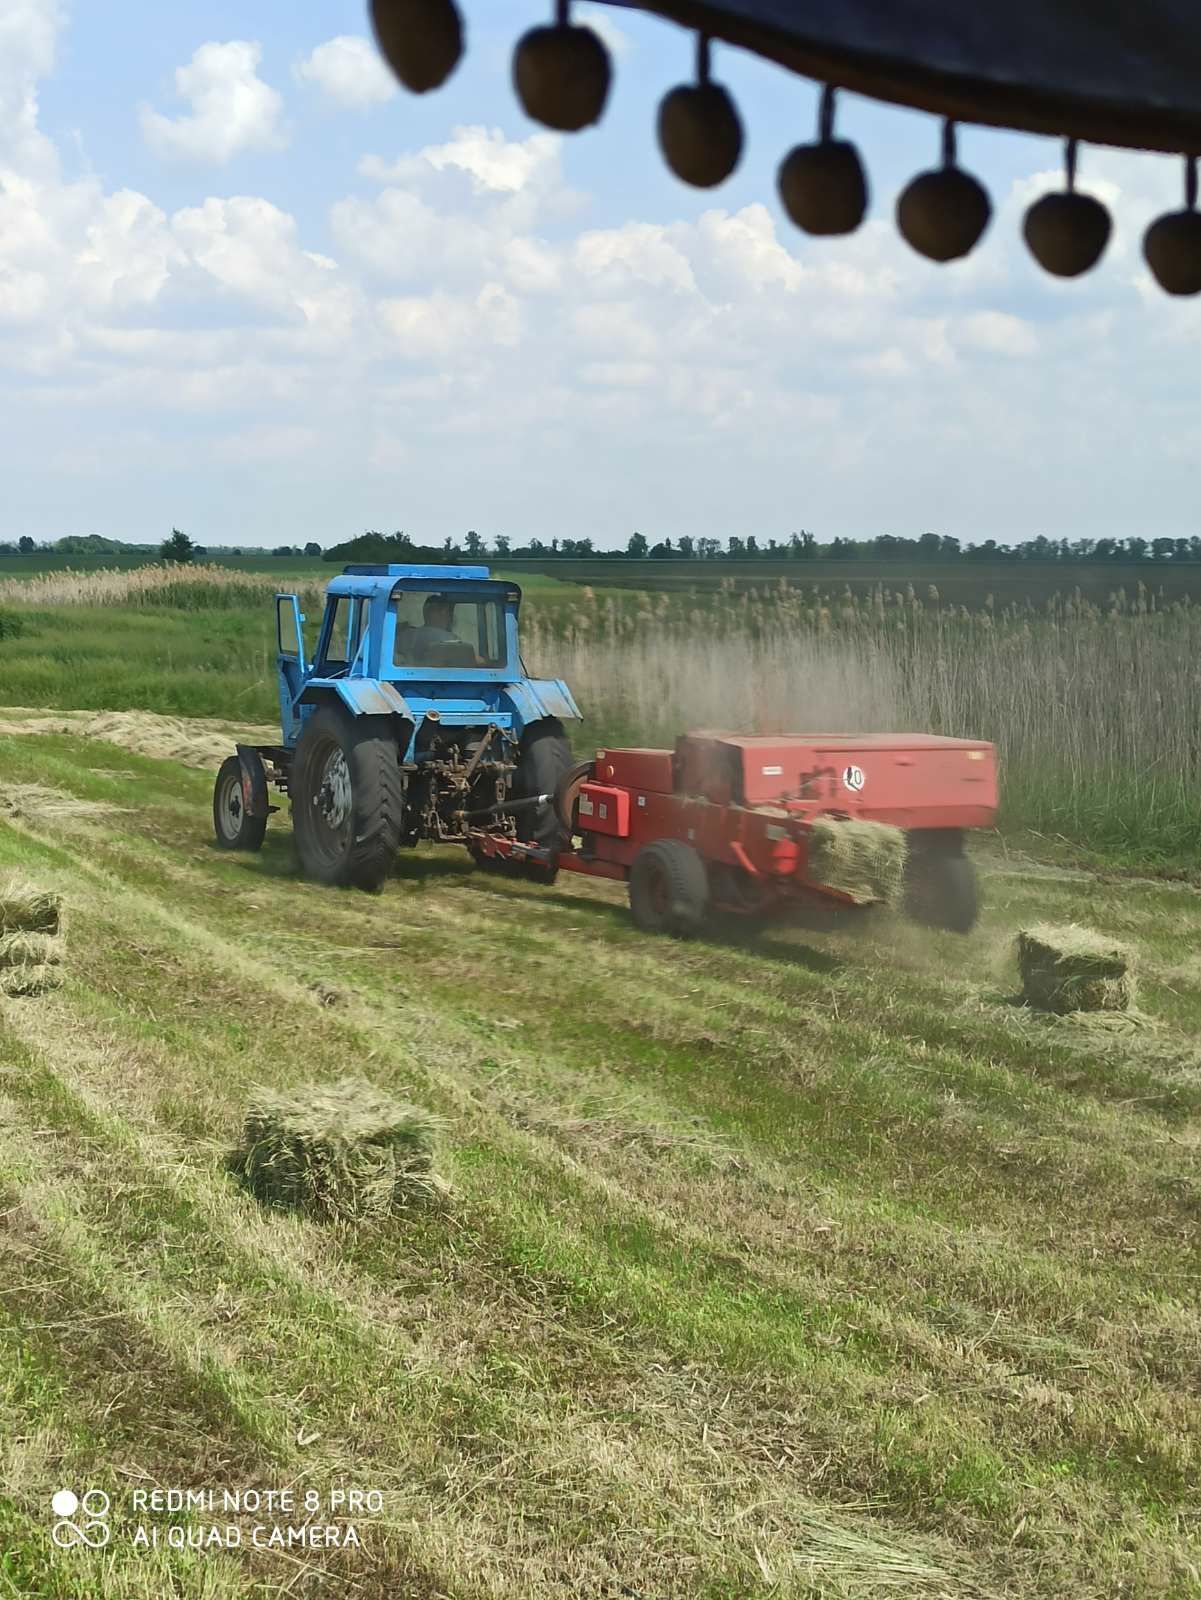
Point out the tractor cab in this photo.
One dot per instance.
(414, 641)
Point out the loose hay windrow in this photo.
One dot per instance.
(1069, 968)
(863, 860)
(337, 1151)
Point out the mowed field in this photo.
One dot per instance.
(803, 1265)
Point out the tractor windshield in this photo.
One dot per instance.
(437, 629)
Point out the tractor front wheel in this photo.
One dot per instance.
(940, 883)
(347, 799)
(233, 825)
(669, 889)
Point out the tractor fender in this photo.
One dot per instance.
(534, 699)
(254, 782)
(362, 697)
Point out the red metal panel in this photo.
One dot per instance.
(604, 810)
(650, 770)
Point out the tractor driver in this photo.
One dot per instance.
(435, 643)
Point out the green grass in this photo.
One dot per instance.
(805, 1265)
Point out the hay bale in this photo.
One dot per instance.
(863, 860)
(30, 949)
(337, 1150)
(1070, 968)
(24, 908)
(32, 979)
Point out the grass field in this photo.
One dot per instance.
(806, 1266)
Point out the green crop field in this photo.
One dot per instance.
(793, 1265)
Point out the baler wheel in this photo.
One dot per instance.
(941, 890)
(234, 827)
(347, 799)
(669, 889)
(567, 793)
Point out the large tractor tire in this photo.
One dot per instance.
(347, 799)
(941, 890)
(669, 889)
(543, 756)
(234, 827)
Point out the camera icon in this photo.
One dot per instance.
(92, 1529)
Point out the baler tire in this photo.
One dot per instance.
(364, 854)
(669, 889)
(567, 793)
(941, 888)
(233, 825)
(543, 757)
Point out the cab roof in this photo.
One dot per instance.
(373, 580)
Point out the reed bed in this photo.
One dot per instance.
(204, 587)
(1093, 708)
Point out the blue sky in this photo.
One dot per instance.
(248, 289)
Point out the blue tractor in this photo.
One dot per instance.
(413, 720)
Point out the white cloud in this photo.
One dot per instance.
(349, 71)
(232, 108)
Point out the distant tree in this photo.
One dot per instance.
(475, 544)
(26, 545)
(313, 549)
(1136, 548)
(1161, 549)
(178, 548)
(735, 546)
(637, 547)
(200, 550)
(502, 544)
(752, 545)
(685, 546)
(708, 549)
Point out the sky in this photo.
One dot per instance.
(252, 289)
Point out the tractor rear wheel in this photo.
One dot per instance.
(347, 799)
(940, 882)
(669, 889)
(543, 757)
(234, 827)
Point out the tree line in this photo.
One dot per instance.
(373, 546)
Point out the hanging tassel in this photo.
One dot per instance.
(562, 73)
(700, 131)
(823, 186)
(1067, 232)
(1172, 244)
(421, 40)
(942, 213)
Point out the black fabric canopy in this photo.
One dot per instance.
(1120, 72)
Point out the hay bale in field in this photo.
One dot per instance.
(24, 908)
(18, 983)
(1070, 968)
(337, 1151)
(30, 949)
(863, 860)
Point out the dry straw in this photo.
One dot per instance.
(1069, 968)
(337, 1151)
(863, 860)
